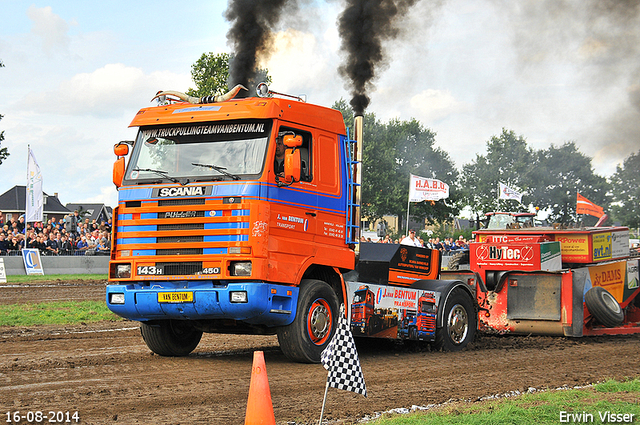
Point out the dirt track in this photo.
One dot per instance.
(106, 373)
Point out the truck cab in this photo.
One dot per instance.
(209, 237)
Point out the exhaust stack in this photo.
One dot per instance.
(357, 195)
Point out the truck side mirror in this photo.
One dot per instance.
(292, 165)
(121, 150)
(292, 161)
(292, 141)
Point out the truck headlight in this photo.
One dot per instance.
(240, 268)
(116, 298)
(123, 271)
(238, 296)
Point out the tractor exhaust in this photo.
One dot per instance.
(358, 130)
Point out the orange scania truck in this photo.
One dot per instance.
(242, 216)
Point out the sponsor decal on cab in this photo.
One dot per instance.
(167, 192)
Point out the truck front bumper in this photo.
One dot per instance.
(256, 303)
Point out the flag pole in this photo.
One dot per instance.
(408, 204)
(326, 389)
(26, 195)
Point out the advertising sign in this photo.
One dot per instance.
(517, 256)
(610, 276)
(392, 312)
(32, 263)
(3, 275)
(632, 274)
(424, 189)
(620, 244)
(575, 247)
(602, 246)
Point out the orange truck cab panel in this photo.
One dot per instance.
(207, 230)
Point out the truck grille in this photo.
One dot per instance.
(181, 268)
(180, 226)
(172, 233)
(174, 202)
(184, 251)
(179, 239)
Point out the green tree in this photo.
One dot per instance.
(391, 152)
(4, 153)
(508, 160)
(210, 73)
(558, 175)
(625, 186)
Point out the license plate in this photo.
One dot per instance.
(175, 297)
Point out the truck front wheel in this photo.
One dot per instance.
(315, 323)
(174, 338)
(459, 326)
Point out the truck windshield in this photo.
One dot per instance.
(199, 152)
(360, 296)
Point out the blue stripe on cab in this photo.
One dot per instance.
(232, 225)
(147, 228)
(129, 241)
(143, 252)
(226, 238)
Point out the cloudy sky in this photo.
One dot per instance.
(552, 71)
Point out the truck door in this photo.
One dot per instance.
(293, 207)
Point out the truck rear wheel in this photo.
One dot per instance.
(604, 307)
(459, 326)
(315, 323)
(171, 337)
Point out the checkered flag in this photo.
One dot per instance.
(340, 358)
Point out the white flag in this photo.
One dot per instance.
(340, 358)
(507, 193)
(35, 200)
(424, 189)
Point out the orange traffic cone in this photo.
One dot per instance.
(259, 407)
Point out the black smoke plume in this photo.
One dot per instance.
(252, 21)
(599, 37)
(364, 26)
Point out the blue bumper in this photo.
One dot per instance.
(267, 304)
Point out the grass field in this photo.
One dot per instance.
(608, 402)
(55, 313)
(15, 279)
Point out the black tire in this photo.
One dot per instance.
(173, 338)
(604, 307)
(459, 322)
(413, 334)
(315, 323)
(461, 257)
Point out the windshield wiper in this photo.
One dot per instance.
(163, 174)
(219, 169)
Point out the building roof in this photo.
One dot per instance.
(95, 211)
(14, 200)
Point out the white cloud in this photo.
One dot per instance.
(50, 28)
(300, 63)
(105, 92)
(434, 105)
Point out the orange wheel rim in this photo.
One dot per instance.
(319, 321)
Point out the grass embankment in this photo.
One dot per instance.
(607, 402)
(16, 279)
(55, 312)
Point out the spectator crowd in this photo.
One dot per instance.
(446, 245)
(72, 235)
